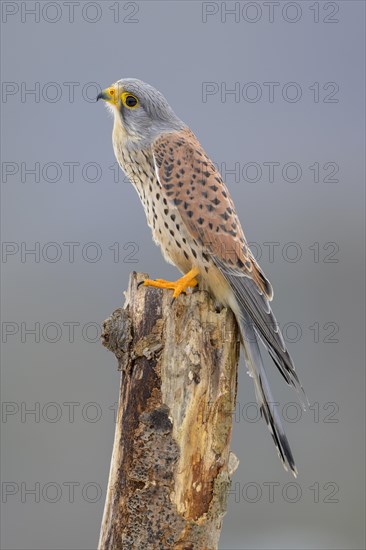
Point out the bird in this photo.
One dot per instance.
(193, 219)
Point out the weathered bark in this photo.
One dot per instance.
(171, 463)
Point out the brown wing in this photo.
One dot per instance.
(192, 183)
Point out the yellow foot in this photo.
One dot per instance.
(188, 280)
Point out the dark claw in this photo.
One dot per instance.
(140, 283)
(172, 302)
(218, 307)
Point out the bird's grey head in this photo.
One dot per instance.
(141, 112)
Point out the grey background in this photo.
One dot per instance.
(171, 48)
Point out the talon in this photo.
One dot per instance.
(187, 281)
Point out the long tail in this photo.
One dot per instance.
(263, 393)
(253, 312)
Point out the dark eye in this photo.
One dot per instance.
(131, 101)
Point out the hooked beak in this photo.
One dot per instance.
(109, 95)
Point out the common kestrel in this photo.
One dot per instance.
(192, 217)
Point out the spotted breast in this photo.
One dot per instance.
(165, 222)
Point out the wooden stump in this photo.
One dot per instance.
(171, 463)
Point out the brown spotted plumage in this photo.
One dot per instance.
(195, 188)
(192, 217)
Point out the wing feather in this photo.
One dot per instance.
(195, 187)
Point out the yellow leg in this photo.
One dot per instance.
(188, 280)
